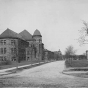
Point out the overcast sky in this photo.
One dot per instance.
(57, 20)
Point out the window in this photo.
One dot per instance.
(12, 42)
(27, 57)
(39, 48)
(13, 50)
(1, 50)
(39, 40)
(4, 42)
(4, 58)
(30, 45)
(1, 58)
(27, 52)
(1, 42)
(4, 50)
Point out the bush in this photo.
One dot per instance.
(7, 62)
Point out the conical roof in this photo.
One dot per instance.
(37, 33)
(10, 34)
(26, 35)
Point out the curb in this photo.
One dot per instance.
(19, 68)
(74, 72)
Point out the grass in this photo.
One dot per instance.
(15, 64)
(76, 63)
(20, 69)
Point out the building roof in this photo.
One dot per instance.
(10, 34)
(37, 33)
(26, 35)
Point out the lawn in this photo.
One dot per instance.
(76, 63)
(15, 64)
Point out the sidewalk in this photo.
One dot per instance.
(76, 70)
(14, 69)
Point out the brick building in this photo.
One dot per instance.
(35, 49)
(22, 46)
(12, 46)
(39, 46)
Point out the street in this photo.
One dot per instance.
(45, 76)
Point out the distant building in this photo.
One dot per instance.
(52, 55)
(58, 55)
(49, 55)
(22, 46)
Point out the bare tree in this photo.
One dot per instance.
(70, 51)
(83, 34)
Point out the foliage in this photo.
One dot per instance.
(76, 63)
(83, 34)
(7, 62)
(70, 51)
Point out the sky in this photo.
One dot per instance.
(59, 21)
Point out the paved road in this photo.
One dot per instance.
(45, 76)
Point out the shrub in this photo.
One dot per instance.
(7, 62)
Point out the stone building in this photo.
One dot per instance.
(28, 37)
(52, 55)
(36, 48)
(49, 55)
(12, 46)
(39, 46)
(22, 46)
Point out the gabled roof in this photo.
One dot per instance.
(26, 35)
(37, 33)
(10, 34)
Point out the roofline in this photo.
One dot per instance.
(30, 40)
(11, 38)
(37, 35)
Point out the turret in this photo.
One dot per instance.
(37, 36)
